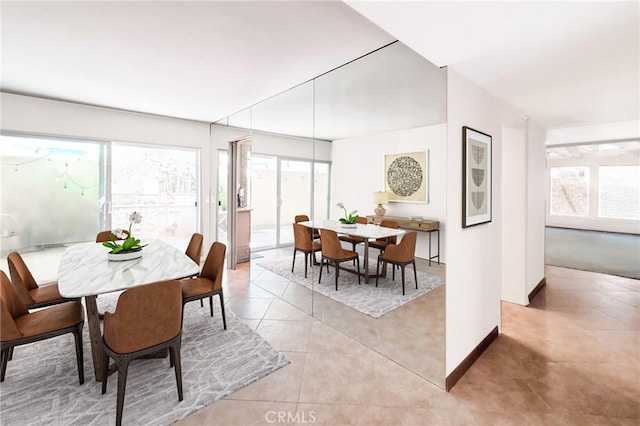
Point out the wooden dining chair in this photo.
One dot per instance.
(18, 326)
(381, 243)
(32, 295)
(304, 243)
(333, 252)
(209, 282)
(148, 318)
(315, 233)
(401, 255)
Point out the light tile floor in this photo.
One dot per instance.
(571, 358)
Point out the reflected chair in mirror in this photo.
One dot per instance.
(32, 295)
(18, 326)
(381, 243)
(104, 236)
(315, 233)
(400, 255)
(147, 319)
(209, 282)
(304, 243)
(332, 252)
(352, 239)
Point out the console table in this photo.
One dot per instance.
(424, 225)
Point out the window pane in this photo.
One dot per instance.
(619, 192)
(569, 191)
(51, 192)
(161, 184)
(264, 201)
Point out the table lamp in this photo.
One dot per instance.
(380, 198)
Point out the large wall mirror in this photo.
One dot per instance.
(324, 142)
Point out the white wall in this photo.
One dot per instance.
(48, 117)
(474, 254)
(358, 171)
(535, 221)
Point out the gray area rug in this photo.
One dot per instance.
(604, 252)
(41, 384)
(366, 298)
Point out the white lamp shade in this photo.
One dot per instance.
(380, 197)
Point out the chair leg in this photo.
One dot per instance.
(105, 371)
(306, 264)
(4, 359)
(77, 334)
(415, 274)
(377, 271)
(210, 305)
(320, 274)
(358, 263)
(224, 318)
(402, 267)
(337, 273)
(201, 304)
(11, 353)
(294, 260)
(175, 354)
(123, 368)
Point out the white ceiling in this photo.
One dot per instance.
(561, 63)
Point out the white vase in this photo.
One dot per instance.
(126, 255)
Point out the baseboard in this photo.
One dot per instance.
(536, 289)
(466, 363)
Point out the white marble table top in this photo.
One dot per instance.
(85, 271)
(361, 230)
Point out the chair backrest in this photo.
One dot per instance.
(301, 237)
(21, 277)
(214, 264)
(11, 307)
(104, 236)
(145, 316)
(194, 249)
(406, 250)
(362, 220)
(331, 244)
(387, 223)
(301, 218)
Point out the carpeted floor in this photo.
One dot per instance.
(366, 298)
(604, 252)
(41, 383)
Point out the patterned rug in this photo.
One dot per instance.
(366, 298)
(41, 383)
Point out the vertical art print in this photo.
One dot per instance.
(405, 176)
(476, 177)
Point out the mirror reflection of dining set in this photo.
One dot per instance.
(147, 321)
(326, 237)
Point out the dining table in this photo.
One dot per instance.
(366, 231)
(85, 272)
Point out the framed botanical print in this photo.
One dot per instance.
(405, 176)
(476, 177)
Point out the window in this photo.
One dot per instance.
(51, 191)
(619, 192)
(159, 182)
(569, 191)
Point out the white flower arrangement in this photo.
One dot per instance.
(129, 242)
(348, 218)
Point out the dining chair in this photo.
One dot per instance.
(147, 318)
(32, 295)
(381, 243)
(104, 236)
(194, 249)
(209, 282)
(353, 239)
(304, 243)
(332, 251)
(18, 326)
(315, 233)
(400, 255)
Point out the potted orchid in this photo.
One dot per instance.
(349, 218)
(129, 247)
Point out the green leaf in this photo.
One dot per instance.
(117, 249)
